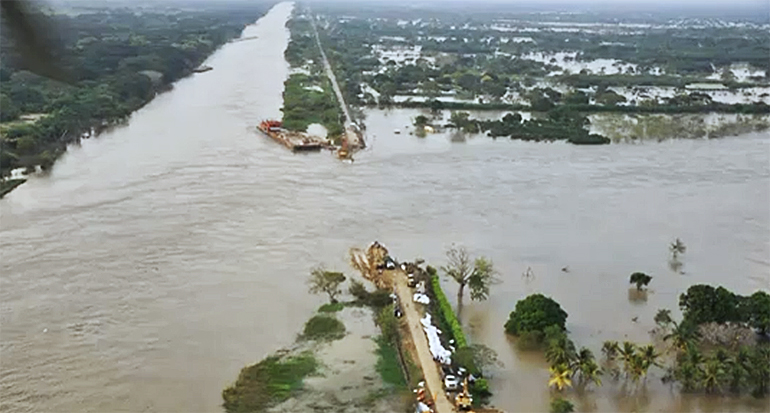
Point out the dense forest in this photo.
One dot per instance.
(120, 59)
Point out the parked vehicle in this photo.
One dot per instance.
(451, 382)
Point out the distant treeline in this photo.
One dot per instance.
(741, 108)
(120, 61)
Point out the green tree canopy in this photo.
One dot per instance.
(640, 279)
(534, 314)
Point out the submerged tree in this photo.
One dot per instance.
(640, 279)
(560, 377)
(663, 318)
(586, 368)
(677, 248)
(536, 313)
(561, 405)
(478, 276)
(328, 282)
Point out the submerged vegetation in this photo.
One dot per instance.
(8, 185)
(534, 317)
(268, 383)
(323, 327)
(632, 128)
(712, 353)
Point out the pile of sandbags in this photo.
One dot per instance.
(438, 351)
(421, 298)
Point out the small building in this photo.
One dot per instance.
(705, 86)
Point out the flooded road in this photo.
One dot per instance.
(160, 258)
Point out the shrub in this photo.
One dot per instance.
(560, 405)
(388, 323)
(358, 290)
(322, 327)
(535, 313)
(267, 383)
(480, 392)
(448, 313)
(331, 307)
(464, 357)
(379, 299)
(388, 364)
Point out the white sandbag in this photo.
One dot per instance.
(421, 298)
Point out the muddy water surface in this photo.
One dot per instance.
(159, 259)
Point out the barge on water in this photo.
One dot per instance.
(296, 141)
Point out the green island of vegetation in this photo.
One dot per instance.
(119, 62)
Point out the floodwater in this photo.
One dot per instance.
(158, 259)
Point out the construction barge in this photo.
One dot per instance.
(296, 141)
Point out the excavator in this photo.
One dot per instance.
(344, 152)
(463, 400)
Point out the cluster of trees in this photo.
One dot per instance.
(539, 323)
(467, 58)
(705, 304)
(305, 103)
(559, 124)
(746, 370)
(628, 360)
(715, 368)
(119, 60)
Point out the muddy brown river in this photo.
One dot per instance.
(158, 259)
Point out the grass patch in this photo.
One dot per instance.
(331, 307)
(388, 364)
(323, 327)
(267, 383)
(8, 185)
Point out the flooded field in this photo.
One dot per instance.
(156, 261)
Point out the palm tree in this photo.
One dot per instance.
(688, 375)
(759, 373)
(677, 247)
(682, 334)
(650, 356)
(610, 350)
(737, 369)
(560, 351)
(591, 372)
(636, 367)
(586, 368)
(560, 377)
(712, 374)
(663, 318)
(627, 352)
